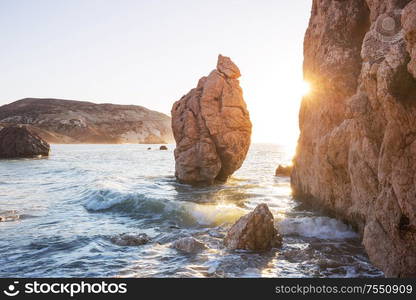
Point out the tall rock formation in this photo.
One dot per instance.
(212, 127)
(356, 154)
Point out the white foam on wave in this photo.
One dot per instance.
(318, 227)
(202, 214)
(215, 214)
(105, 199)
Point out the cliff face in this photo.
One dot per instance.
(65, 121)
(356, 154)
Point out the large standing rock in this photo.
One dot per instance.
(254, 231)
(211, 126)
(18, 141)
(356, 154)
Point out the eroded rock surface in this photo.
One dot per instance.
(212, 127)
(254, 231)
(20, 142)
(356, 154)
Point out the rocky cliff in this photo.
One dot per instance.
(356, 154)
(212, 127)
(66, 121)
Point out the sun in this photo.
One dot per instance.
(305, 88)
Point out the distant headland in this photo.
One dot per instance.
(77, 122)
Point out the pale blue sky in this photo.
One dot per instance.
(151, 53)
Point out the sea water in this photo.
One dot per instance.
(62, 212)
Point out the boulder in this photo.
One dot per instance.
(189, 245)
(163, 147)
(283, 170)
(130, 239)
(254, 231)
(212, 127)
(19, 142)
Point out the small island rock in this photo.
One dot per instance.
(20, 142)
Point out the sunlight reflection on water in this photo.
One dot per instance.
(72, 203)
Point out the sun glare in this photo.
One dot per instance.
(305, 88)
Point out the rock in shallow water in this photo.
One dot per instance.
(254, 231)
(282, 170)
(189, 245)
(130, 239)
(212, 127)
(9, 216)
(19, 142)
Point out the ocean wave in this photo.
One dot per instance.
(316, 227)
(141, 205)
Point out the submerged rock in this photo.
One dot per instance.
(282, 170)
(9, 216)
(189, 245)
(20, 142)
(130, 239)
(254, 231)
(212, 127)
(163, 148)
(356, 155)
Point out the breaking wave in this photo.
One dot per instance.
(316, 227)
(139, 205)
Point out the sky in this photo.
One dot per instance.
(151, 53)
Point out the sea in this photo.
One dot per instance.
(59, 216)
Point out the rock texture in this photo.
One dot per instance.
(67, 121)
(130, 239)
(254, 231)
(356, 154)
(189, 245)
(20, 142)
(212, 127)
